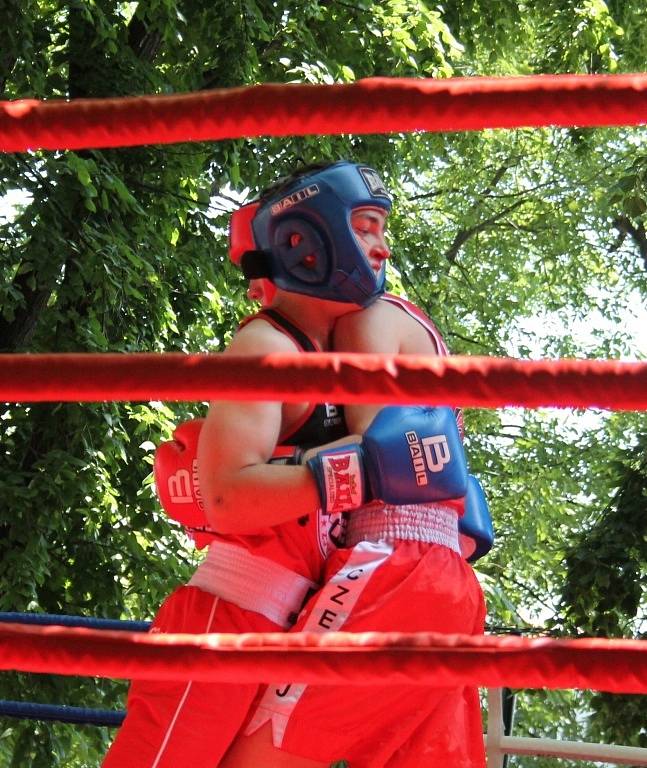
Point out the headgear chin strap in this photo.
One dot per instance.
(301, 237)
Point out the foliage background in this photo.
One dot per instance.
(524, 243)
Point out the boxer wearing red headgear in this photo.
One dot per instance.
(247, 583)
(258, 572)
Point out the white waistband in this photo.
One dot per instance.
(252, 582)
(431, 523)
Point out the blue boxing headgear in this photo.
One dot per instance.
(300, 236)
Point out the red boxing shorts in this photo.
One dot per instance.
(451, 734)
(176, 723)
(408, 586)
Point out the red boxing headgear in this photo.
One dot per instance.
(241, 236)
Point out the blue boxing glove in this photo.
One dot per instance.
(475, 526)
(408, 455)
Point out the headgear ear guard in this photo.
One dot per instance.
(300, 237)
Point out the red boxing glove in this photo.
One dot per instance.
(176, 479)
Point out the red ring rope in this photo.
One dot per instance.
(374, 105)
(349, 378)
(337, 658)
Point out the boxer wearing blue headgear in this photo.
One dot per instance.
(301, 237)
(272, 540)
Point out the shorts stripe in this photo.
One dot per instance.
(328, 613)
(183, 698)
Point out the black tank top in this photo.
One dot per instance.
(321, 423)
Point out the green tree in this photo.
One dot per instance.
(524, 243)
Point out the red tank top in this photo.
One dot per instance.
(434, 334)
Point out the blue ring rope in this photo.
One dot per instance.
(61, 713)
(74, 621)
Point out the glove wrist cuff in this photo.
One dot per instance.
(340, 477)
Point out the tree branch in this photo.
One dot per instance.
(637, 233)
(533, 593)
(144, 43)
(7, 63)
(464, 235)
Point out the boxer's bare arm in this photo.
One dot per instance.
(381, 328)
(242, 493)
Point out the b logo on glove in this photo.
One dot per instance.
(183, 488)
(436, 455)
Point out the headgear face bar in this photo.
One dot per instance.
(301, 237)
